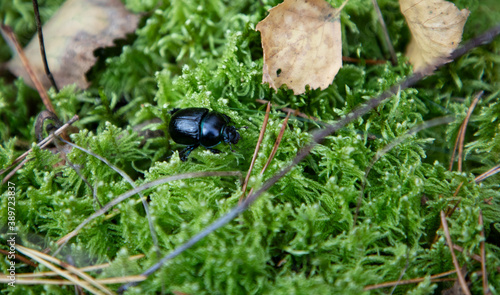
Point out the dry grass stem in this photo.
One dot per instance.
(461, 278)
(122, 173)
(487, 174)
(106, 281)
(459, 141)
(380, 153)
(277, 143)
(406, 282)
(287, 110)
(20, 258)
(366, 61)
(449, 211)
(45, 142)
(83, 284)
(62, 241)
(464, 128)
(486, 289)
(275, 147)
(256, 152)
(83, 269)
(7, 31)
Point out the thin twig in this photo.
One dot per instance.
(380, 153)
(7, 31)
(20, 258)
(41, 144)
(403, 271)
(406, 282)
(366, 61)
(449, 211)
(287, 110)
(106, 281)
(122, 280)
(256, 151)
(11, 173)
(472, 255)
(85, 269)
(275, 147)
(455, 147)
(464, 128)
(487, 174)
(76, 281)
(70, 268)
(122, 173)
(394, 58)
(486, 289)
(482, 39)
(212, 227)
(77, 171)
(459, 141)
(42, 46)
(138, 189)
(461, 278)
(276, 143)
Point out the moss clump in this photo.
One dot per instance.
(301, 236)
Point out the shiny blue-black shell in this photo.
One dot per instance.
(200, 126)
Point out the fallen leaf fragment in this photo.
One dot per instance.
(71, 36)
(302, 45)
(436, 27)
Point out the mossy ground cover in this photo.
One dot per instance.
(301, 236)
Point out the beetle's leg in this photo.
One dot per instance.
(185, 152)
(173, 111)
(215, 151)
(231, 147)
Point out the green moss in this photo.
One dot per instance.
(301, 236)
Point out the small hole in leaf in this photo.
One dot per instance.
(278, 72)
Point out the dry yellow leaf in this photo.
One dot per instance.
(302, 45)
(436, 27)
(71, 36)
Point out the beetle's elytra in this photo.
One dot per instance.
(200, 126)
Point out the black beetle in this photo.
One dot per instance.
(199, 126)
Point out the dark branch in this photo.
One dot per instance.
(42, 46)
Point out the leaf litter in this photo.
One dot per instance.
(302, 44)
(71, 36)
(436, 27)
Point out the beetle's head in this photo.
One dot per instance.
(230, 135)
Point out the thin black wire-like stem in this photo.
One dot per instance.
(154, 236)
(388, 147)
(78, 172)
(42, 46)
(137, 190)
